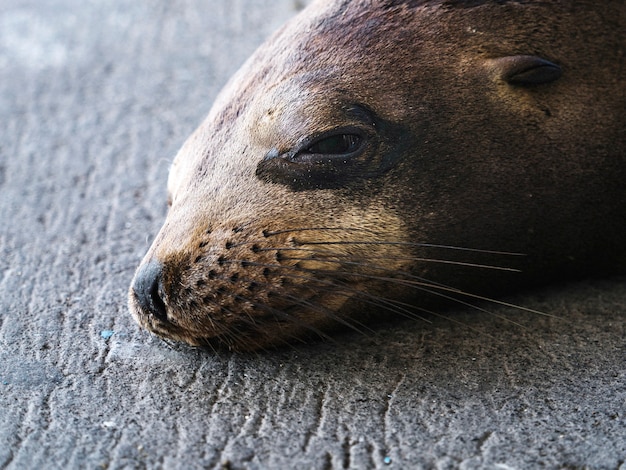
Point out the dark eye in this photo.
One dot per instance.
(526, 70)
(331, 158)
(340, 144)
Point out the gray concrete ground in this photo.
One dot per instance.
(95, 99)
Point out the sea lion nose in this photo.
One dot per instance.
(148, 289)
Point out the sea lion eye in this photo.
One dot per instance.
(526, 70)
(339, 157)
(340, 144)
(326, 148)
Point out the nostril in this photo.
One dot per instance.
(148, 289)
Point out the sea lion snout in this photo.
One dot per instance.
(147, 290)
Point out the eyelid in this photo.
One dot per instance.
(346, 140)
(301, 153)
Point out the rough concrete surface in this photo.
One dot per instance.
(95, 99)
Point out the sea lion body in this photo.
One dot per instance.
(372, 153)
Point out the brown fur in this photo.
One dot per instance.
(256, 251)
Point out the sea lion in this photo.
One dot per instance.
(376, 156)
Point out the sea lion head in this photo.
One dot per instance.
(379, 154)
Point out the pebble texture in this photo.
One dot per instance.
(95, 99)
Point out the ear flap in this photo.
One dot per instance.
(524, 70)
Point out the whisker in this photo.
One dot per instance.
(408, 314)
(208, 344)
(329, 313)
(286, 316)
(229, 337)
(475, 307)
(330, 283)
(491, 300)
(386, 304)
(415, 282)
(445, 317)
(267, 233)
(397, 307)
(332, 272)
(411, 244)
(325, 282)
(356, 326)
(426, 286)
(221, 307)
(429, 260)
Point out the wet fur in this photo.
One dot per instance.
(482, 170)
